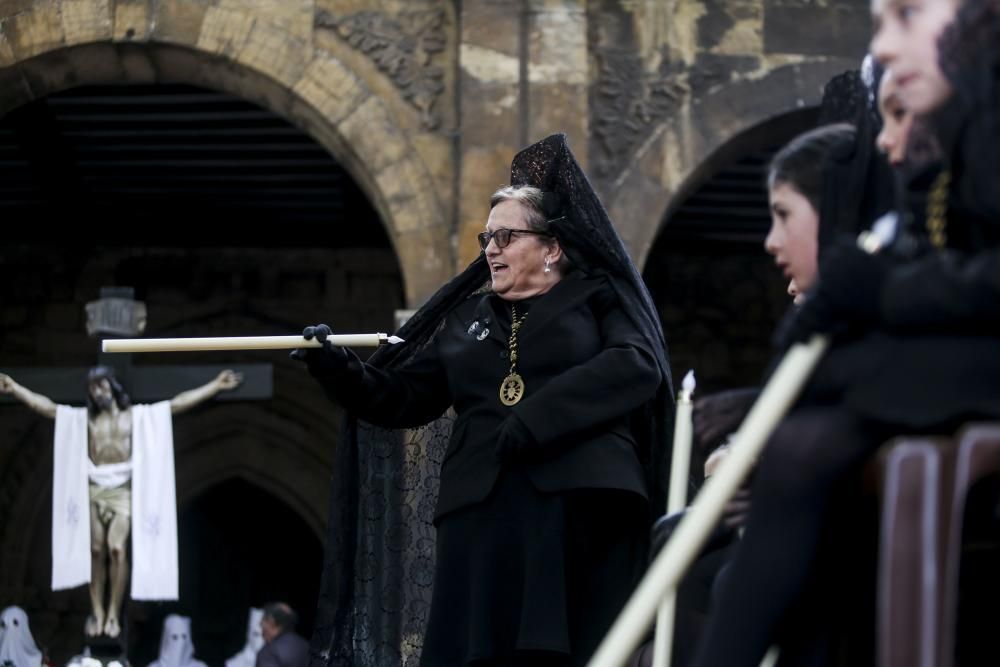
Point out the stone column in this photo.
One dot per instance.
(523, 76)
(489, 85)
(555, 49)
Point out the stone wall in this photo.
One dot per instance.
(426, 101)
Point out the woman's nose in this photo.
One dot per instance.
(884, 141)
(771, 242)
(884, 45)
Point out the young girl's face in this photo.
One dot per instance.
(896, 121)
(793, 238)
(906, 43)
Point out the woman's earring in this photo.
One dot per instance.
(547, 269)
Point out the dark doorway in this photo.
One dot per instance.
(717, 291)
(239, 547)
(139, 164)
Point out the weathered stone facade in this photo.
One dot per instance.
(424, 102)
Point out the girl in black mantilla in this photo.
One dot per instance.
(916, 338)
(558, 377)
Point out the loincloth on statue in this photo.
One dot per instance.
(112, 501)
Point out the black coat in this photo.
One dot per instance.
(935, 358)
(585, 367)
(286, 650)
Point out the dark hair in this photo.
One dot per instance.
(282, 615)
(98, 373)
(968, 124)
(802, 161)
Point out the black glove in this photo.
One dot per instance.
(734, 514)
(329, 360)
(847, 295)
(715, 416)
(513, 439)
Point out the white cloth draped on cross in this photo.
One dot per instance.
(153, 497)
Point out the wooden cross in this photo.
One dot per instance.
(117, 314)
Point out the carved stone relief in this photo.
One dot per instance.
(403, 47)
(628, 102)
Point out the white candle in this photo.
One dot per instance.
(665, 572)
(680, 465)
(241, 343)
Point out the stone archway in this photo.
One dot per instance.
(678, 152)
(240, 547)
(266, 57)
(718, 293)
(275, 451)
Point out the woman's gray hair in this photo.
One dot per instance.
(530, 198)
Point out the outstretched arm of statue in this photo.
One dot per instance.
(186, 400)
(43, 405)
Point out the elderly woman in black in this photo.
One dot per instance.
(542, 515)
(916, 328)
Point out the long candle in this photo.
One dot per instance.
(681, 455)
(242, 343)
(666, 570)
(680, 465)
(748, 442)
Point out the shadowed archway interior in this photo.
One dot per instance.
(155, 162)
(239, 547)
(717, 291)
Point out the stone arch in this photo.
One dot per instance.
(782, 127)
(679, 151)
(46, 47)
(274, 452)
(717, 292)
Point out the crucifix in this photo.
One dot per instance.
(108, 425)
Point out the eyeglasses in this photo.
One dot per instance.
(503, 235)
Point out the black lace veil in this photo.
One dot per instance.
(379, 561)
(858, 184)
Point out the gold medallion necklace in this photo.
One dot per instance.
(937, 210)
(512, 387)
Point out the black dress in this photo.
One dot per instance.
(526, 574)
